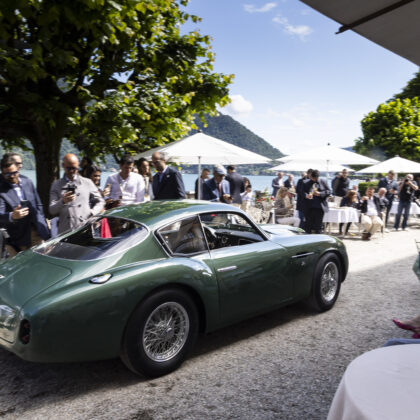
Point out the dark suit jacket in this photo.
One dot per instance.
(210, 191)
(20, 230)
(171, 186)
(377, 202)
(237, 186)
(324, 191)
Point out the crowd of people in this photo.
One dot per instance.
(78, 195)
(308, 199)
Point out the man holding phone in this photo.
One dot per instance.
(71, 195)
(21, 212)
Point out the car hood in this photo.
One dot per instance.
(26, 275)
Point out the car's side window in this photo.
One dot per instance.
(228, 229)
(184, 236)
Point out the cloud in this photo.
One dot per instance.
(302, 31)
(250, 8)
(238, 106)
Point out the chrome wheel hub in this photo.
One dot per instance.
(166, 331)
(329, 281)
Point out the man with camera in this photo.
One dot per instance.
(21, 212)
(406, 191)
(71, 195)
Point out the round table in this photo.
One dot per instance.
(382, 384)
(341, 215)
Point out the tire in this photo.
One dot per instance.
(160, 333)
(326, 282)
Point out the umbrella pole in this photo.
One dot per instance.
(198, 181)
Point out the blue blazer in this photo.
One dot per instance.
(20, 230)
(210, 191)
(170, 187)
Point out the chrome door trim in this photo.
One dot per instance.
(224, 269)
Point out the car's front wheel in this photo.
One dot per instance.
(160, 333)
(326, 282)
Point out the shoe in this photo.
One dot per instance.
(406, 228)
(403, 326)
(394, 230)
(386, 230)
(365, 236)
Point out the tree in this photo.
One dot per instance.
(394, 129)
(412, 89)
(109, 75)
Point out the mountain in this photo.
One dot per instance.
(226, 128)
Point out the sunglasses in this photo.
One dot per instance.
(71, 168)
(10, 174)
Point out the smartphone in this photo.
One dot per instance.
(72, 189)
(24, 204)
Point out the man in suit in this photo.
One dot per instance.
(71, 195)
(300, 197)
(277, 183)
(290, 183)
(205, 174)
(371, 214)
(217, 188)
(236, 185)
(391, 186)
(167, 182)
(21, 212)
(316, 193)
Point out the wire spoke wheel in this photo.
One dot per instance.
(329, 281)
(166, 331)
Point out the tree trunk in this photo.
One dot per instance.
(47, 156)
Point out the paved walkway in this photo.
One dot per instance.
(283, 365)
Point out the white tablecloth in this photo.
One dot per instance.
(341, 215)
(382, 384)
(414, 209)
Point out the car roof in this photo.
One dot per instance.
(159, 212)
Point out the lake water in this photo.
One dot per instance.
(258, 182)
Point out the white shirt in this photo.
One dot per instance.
(131, 190)
(371, 208)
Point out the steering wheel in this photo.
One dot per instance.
(211, 236)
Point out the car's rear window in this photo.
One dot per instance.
(98, 238)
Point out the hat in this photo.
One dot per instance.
(219, 169)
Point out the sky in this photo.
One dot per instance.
(297, 84)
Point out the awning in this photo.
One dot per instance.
(393, 24)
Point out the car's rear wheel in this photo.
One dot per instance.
(160, 333)
(326, 282)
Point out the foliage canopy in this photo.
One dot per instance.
(393, 129)
(109, 75)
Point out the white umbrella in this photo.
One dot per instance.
(303, 165)
(329, 154)
(397, 164)
(201, 149)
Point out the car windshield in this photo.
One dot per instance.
(99, 238)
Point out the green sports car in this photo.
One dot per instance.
(141, 281)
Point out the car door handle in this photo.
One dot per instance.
(230, 268)
(303, 254)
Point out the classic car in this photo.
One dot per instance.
(141, 282)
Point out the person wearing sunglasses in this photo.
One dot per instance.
(21, 211)
(71, 195)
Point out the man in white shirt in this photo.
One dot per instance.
(371, 214)
(126, 187)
